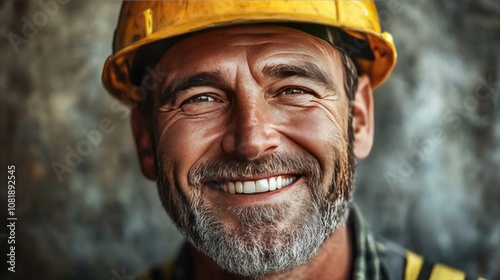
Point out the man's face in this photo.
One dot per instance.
(253, 145)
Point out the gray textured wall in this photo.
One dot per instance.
(432, 182)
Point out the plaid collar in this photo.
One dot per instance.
(368, 262)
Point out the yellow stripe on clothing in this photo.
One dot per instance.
(442, 272)
(414, 264)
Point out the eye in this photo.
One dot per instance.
(200, 99)
(202, 104)
(294, 91)
(295, 96)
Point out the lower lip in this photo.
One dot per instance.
(249, 199)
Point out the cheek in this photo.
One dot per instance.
(320, 129)
(183, 143)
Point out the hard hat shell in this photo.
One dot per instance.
(144, 22)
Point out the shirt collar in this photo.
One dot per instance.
(367, 260)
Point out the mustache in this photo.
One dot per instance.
(231, 169)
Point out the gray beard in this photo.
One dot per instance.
(268, 239)
(265, 246)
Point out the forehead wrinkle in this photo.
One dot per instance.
(285, 41)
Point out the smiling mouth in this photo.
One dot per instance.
(255, 186)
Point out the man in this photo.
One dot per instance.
(250, 116)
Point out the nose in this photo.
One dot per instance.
(252, 133)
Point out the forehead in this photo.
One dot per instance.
(257, 43)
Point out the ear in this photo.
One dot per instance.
(363, 122)
(143, 144)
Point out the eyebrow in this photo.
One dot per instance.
(196, 80)
(304, 69)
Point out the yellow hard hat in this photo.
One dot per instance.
(142, 23)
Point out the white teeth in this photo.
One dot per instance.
(249, 187)
(259, 186)
(231, 188)
(239, 187)
(272, 184)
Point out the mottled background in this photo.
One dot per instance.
(432, 182)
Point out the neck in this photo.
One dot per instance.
(332, 261)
